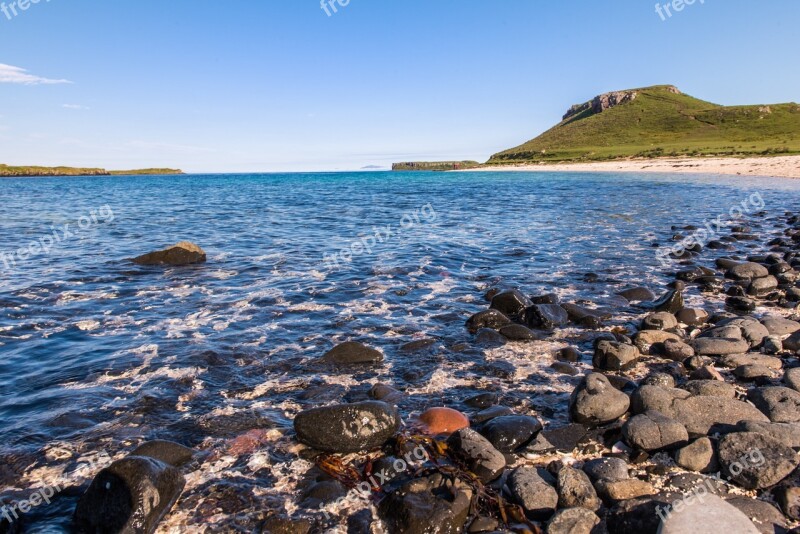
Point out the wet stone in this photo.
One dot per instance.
(420, 503)
(509, 433)
(352, 352)
(546, 316)
(517, 332)
(487, 319)
(510, 303)
(347, 427)
(131, 495)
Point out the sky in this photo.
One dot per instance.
(283, 85)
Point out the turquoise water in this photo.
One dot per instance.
(99, 354)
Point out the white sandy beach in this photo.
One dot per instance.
(782, 166)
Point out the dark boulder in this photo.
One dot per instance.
(352, 352)
(487, 319)
(546, 316)
(183, 253)
(131, 495)
(347, 428)
(419, 504)
(510, 303)
(509, 433)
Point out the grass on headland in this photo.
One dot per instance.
(660, 123)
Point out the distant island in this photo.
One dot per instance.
(653, 122)
(31, 171)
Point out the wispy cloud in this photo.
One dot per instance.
(73, 106)
(11, 74)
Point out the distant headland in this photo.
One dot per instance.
(651, 124)
(7, 171)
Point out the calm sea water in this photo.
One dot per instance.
(97, 354)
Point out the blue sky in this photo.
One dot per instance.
(274, 85)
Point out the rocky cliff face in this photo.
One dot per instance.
(607, 101)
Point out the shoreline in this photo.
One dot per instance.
(777, 166)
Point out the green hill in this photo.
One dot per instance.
(661, 121)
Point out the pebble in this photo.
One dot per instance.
(609, 469)
(439, 421)
(530, 489)
(698, 456)
(596, 402)
(510, 432)
(575, 490)
(652, 431)
(478, 454)
(573, 521)
(615, 356)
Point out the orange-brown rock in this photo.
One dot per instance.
(443, 421)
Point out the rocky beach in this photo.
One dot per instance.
(634, 379)
(680, 413)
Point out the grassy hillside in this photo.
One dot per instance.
(8, 171)
(662, 122)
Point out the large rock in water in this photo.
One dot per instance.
(596, 402)
(183, 253)
(546, 316)
(352, 352)
(131, 495)
(347, 428)
(510, 303)
(487, 319)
